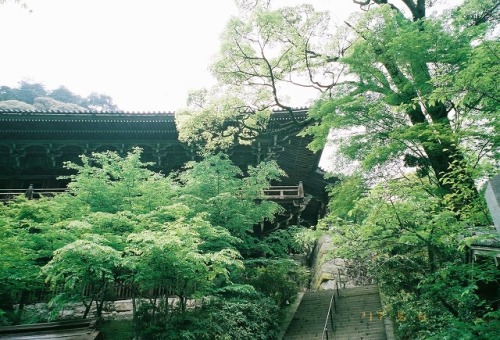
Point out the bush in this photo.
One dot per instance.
(279, 280)
(234, 318)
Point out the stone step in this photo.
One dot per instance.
(356, 317)
(309, 319)
(354, 291)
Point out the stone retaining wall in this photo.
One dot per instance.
(327, 270)
(112, 310)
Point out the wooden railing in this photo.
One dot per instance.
(284, 192)
(272, 193)
(8, 194)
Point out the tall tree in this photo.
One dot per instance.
(390, 70)
(64, 95)
(99, 102)
(394, 64)
(28, 92)
(419, 90)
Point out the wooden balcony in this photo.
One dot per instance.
(284, 192)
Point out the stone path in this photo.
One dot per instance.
(358, 316)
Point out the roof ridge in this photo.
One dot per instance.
(87, 112)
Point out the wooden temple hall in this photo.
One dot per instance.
(34, 145)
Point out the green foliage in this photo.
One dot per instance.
(344, 195)
(173, 258)
(279, 280)
(47, 104)
(122, 222)
(30, 233)
(261, 57)
(117, 329)
(12, 104)
(476, 211)
(239, 319)
(408, 239)
(122, 178)
(416, 98)
(215, 186)
(222, 319)
(81, 263)
(219, 120)
(79, 266)
(283, 242)
(241, 291)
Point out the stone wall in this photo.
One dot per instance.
(112, 310)
(492, 196)
(328, 271)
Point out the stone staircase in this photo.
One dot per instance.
(358, 316)
(308, 321)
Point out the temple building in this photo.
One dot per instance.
(35, 144)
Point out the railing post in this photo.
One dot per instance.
(331, 316)
(338, 280)
(29, 192)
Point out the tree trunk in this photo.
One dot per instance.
(22, 302)
(134, 310)
(442, 153)
(87, 308)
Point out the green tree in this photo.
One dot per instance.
(18, 270)
(31, 231)
(49, 104)
(99, 102)
(393, 81)
(217, 187)
(28, 92)
(402, 235)
(84, 269)
(178, 260)
(107, 182)
(12, 104)
(263, 54)
(277, 279)
(237, 319)
(390, 71)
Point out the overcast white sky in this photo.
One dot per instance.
(145, 54)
